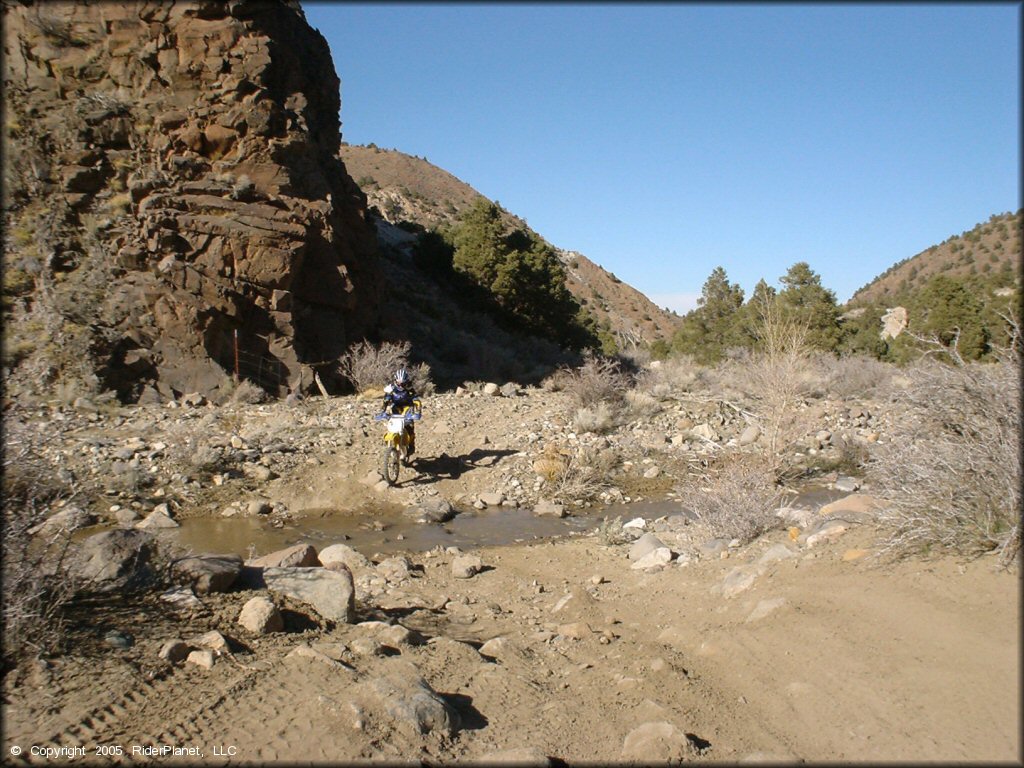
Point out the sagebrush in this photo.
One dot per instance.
(737, 498)
(952, 473)
(369, 366)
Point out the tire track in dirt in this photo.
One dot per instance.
(139, 710)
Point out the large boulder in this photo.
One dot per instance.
(330, 593)
(207, 573)
(407, 699)
(118, 559)
(298, 556)
(342, 554)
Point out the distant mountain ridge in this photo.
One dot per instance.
(989, 248)
(407, 190)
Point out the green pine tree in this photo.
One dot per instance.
(804, 299)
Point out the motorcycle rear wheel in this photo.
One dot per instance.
(391, 465)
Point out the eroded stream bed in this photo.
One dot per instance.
(387, 531)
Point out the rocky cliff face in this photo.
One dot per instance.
(172, 183)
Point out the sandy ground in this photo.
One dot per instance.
(829, 655)
(916, 661)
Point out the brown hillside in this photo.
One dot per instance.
(988, 248)
(403, 188)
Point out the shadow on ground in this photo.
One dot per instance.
(445, 467)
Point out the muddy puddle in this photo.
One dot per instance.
(388, 531)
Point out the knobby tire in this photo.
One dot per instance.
(391, 464)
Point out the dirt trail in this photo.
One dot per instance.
(915, 661)
(556, 651)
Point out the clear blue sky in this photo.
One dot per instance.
(663, 140)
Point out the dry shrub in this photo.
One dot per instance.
(853, 376)
(599, 419)
(36, 585)
(669, 377)
(366, 365)
(612, 533)
(580, 474)
(778, 376)
(737, 499)
(640, 405)
(247, 393)
(598, 379)
(421, 379)
(952, 474)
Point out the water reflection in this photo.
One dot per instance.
(388, 531)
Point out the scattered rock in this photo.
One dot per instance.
(656, 742)
(115, 560)
(827, 531)
(466, 566)
(713, 547)
(846, 484)
(431, 511)
(644, 546)
(158, 519)
(578, 630)
(260, 616)
(118, 639)
(705, 432)
(738, 580)
(653, 559)
(367, 646)
(175, 650)
(394, 569)
(397, 636)
(202, 658)
(750, 434)
(306, 652)
(182, 599)
(213, 640)
(545, 507)
(775, 553)
(855, 503)
(259, 507)
(492, 499)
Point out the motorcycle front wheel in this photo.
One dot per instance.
(391, 465)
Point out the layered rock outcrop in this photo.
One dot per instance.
(177, 164)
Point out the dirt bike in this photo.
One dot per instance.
(397, 440)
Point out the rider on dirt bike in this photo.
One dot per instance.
(399, 395)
